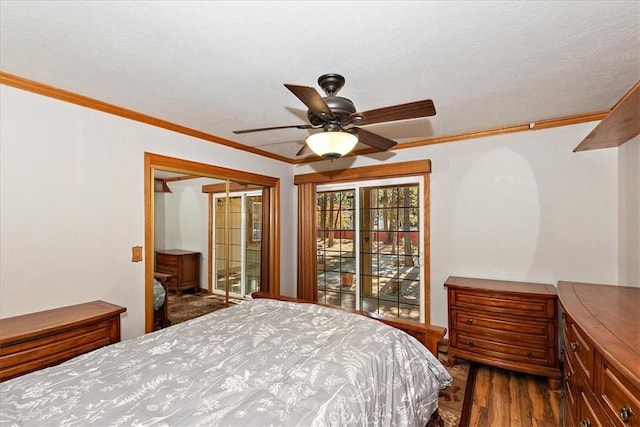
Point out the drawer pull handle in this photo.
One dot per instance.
(530, 355)
(585, 423)
(625, 414)
(574, 346)
(567, 377)
(469, 321)
(470, 343)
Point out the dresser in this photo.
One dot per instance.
(183, 266)
(37, 340)
(510, 325)
(601, 342)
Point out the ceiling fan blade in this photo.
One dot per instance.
(374, 140)
(312, 99)
(411, 110)
(238, 132)
(304, 150)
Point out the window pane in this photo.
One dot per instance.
(388, 250)
(335, 248)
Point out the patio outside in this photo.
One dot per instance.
(392, 287)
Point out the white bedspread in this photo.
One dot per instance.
(263, 362)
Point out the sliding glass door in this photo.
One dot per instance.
(243, 254)
(368, 247)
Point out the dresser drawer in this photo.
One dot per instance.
(504, 328)
(582, 350)
(570, 382)
(618, 396)
(589, 415)
(167, 261)
(31, 355)
(501, 303)
(498, 350)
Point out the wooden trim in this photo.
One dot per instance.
(173, 164)
(619, 126)
(210, 228)
(180, 178)
(426, 261)
(235, 186)
(63, 95)
(539, 125)
(390, 170)
(274, 238)
(149, 227)
(307, 287)
(84, 101)
(156, 161)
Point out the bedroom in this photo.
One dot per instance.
(513, 206)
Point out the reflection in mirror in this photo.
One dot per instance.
(237, 233)
(221, 220)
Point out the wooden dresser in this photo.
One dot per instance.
(184, 266)
(601, 340)
(510, 325)
(37, 340)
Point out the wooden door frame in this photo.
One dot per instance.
(156, 161)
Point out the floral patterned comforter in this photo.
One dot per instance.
(262, 362)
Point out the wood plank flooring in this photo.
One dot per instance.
(504, 398)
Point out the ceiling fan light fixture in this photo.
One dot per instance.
(332, 145)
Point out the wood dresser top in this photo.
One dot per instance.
(176, 252)
(27, 326)
(610, 315)
(501, 285)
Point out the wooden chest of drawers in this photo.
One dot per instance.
(510, 325)
(601, 340)
(184, 266)
(35, 341)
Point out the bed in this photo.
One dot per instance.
(261, 362)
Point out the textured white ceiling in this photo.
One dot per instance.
(219, 66)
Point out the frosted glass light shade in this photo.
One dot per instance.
(332, 145)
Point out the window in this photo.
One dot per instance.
(370, 248)
(368, 251)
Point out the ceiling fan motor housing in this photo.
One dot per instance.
(341, 107)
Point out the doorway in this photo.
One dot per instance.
(268, 268)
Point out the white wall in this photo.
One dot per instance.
(72, 203)
(181, 220)
(629, 215)
(518, 206)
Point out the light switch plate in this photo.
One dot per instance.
(136, 254)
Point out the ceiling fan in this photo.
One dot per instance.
(338, 117)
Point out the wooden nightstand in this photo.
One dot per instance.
(510, 325)
(184, 266)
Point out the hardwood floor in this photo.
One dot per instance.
(504, 398)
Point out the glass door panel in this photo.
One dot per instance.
(368, 250)
(335, 248)
(244, 246)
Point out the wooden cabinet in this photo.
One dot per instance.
(183, 266)
(35, 341)
(510, 325)
(601, 341)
